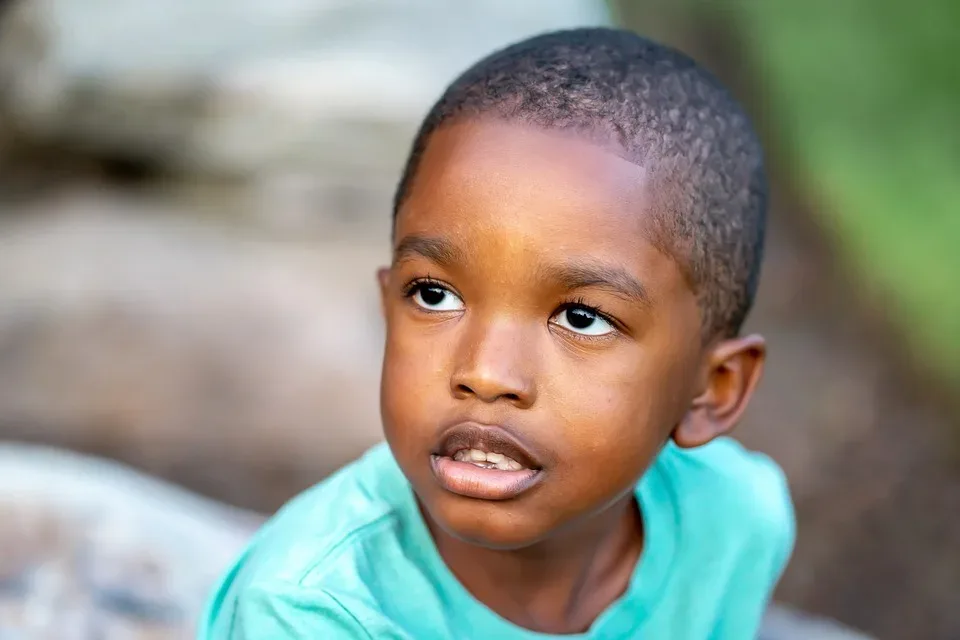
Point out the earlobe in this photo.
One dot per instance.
(734, 368)
(696, 429)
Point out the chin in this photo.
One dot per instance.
(492, 525)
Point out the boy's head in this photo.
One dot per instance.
(577, 240)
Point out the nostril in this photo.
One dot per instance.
(462, 388)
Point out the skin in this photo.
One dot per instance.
(499, 221)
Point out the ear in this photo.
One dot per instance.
(383, 280)
(732, 371)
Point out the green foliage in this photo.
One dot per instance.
(868, 96)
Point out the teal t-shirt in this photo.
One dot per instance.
(352, 558)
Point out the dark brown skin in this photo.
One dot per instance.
(506, 211)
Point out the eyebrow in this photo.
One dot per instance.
(580, 275)
(436, 250)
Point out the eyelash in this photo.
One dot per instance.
(578, 303)
(411, 288)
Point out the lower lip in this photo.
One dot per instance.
(471, 481)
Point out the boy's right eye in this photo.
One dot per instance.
(434, 297)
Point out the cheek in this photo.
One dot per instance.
(414, 369)
(620, 409)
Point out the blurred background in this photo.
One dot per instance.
(194, 195)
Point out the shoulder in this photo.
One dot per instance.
(732, 493)
(735, 532)
(319, 525)
(310, 556)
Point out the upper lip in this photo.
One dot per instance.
(488, 438)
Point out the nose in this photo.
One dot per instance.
(494, 363)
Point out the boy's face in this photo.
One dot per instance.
(540, 349)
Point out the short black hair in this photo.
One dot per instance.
(664, 112)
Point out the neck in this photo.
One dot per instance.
(558, 585)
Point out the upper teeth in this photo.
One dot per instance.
(488, 460)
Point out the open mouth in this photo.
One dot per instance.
(484, 462)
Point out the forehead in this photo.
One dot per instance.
(509, 168)
(499, 185)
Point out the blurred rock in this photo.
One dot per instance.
(786, 624)
(245, 369)
(246, 87)
(90, 549)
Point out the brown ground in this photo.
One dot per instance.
(867, 447)
(868, 439)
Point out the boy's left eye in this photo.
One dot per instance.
(583, 320)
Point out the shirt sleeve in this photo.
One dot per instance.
(763, 559)
(291, 612)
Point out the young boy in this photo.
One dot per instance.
(577, 239)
